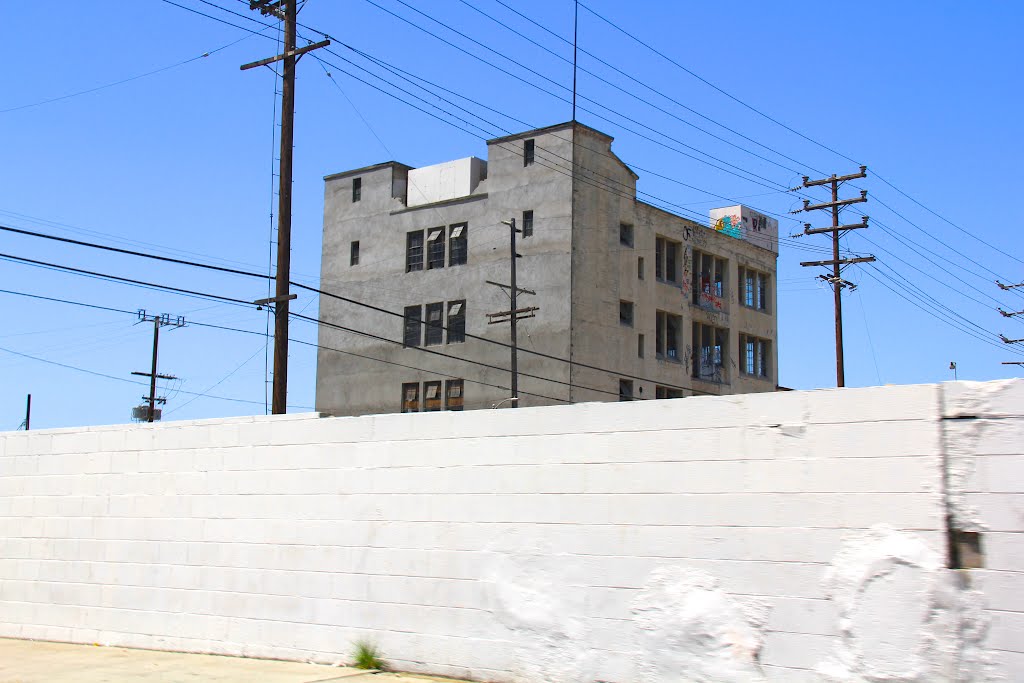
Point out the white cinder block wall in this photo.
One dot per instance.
(787, 537)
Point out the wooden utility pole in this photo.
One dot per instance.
(514, 314)
(158, 322)
(28, 413)
(837, 230)
(286, 10)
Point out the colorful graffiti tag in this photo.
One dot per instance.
(731, 225)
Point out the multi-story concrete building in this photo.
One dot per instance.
(632, 302)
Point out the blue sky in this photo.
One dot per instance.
(179, 163)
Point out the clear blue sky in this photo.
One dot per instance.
(179, 163)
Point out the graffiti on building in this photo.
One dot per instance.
(731, 225)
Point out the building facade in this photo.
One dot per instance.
(632, 302)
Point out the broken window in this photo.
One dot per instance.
(453, 394)
(414, 251)
(666, 260)
(527, 223)
(667, 392)
(626, 313)
(754, 354)
(709, 273)
(435, 248)
(435, 325)
(668, 328)
(410, 397)
(411, 325)
(626, 235)
(709, 349)
(625, 390)
(458, 244)
(456, 322)
(357, 189)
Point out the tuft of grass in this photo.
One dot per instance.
(367, 656)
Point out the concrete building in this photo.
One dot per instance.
(644, 303)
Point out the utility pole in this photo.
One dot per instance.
(287, 10)
(514, 314)
(158, 322)
(837, 230)
(27, 424)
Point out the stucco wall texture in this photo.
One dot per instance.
(794, 536)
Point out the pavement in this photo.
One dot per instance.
(31, 661)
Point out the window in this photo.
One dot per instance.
(414, 251)
(456, 322)
(709, 349)
(709, 274)
(626, 235)
(667, 331)
(411, 397)
(435, 248)
(753, 292)
(411, 327)
(528, 148)
(666, 257)
(527, 223)
(626, 313)
(625, 390)
(458, 246)
(640, 346)
(353, 258)
(754, 354)
(435, 325)
(453, 394)
(667, 392)
(431, 396)
(357, 189)
(640, 268)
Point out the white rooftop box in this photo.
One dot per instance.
(441, 182)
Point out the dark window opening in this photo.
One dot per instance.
(640, 268)
(667, 392)
(626, 313)
(640, 346)
(435, 325)
(667, 260)
(709, 273)
(527, 223)
(668, 332)
(456, 322)
(754, 354)
(353, 259)
(414, 251)
(435, 248)
(625, 390)
(357, 189)
(458, 245)
(709, 349)
(528, 149)
(626, 235)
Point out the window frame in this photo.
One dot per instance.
(408, 322)
(714, 355)
(458, 244)
(454, 394)
(628, 308)
(414, 255)
(529, 151)
(754, 356)
(626, 390)
(410, 406)
(433, 330)
(353, 253)
(527, 226)
(626, 235)
(432, 405)
(357, 190)
(456, 323)
(435, 248)
(664, 322)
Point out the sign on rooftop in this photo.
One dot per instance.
(744, 223)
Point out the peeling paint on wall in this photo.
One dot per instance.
(902, 616)
(692, 630)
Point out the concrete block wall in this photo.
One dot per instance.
(786, 537)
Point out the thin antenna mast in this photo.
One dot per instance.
(575, 36)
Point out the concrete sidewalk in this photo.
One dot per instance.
(28, 661)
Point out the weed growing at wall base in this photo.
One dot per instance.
(367, 656)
